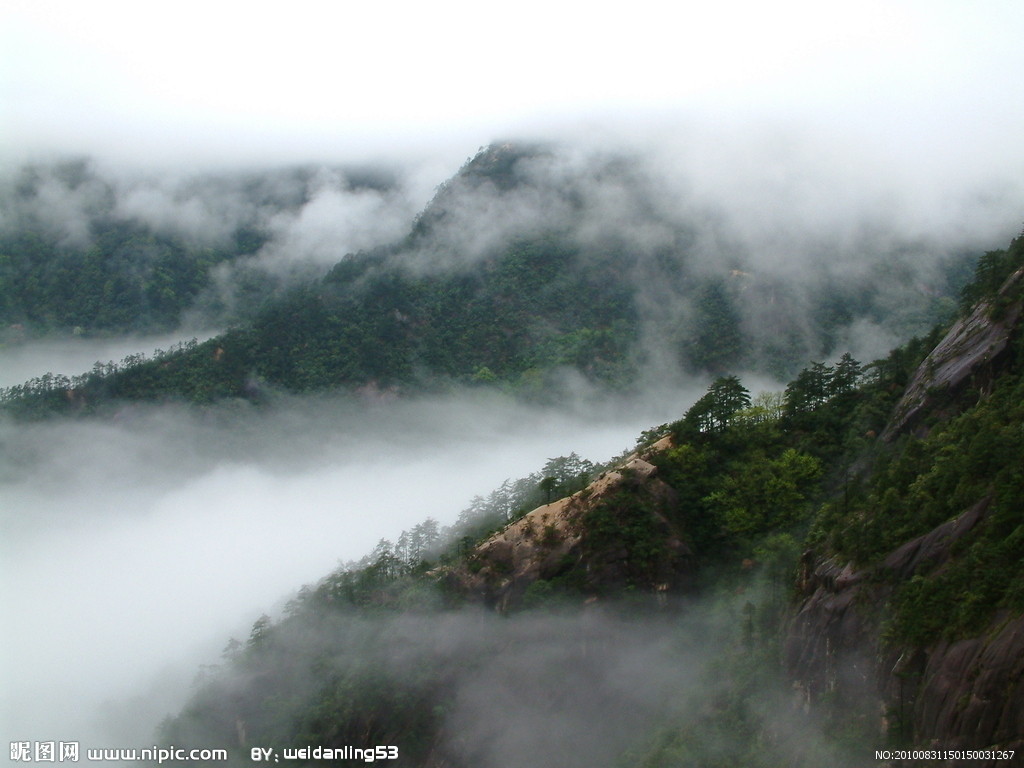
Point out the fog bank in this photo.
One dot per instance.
(134, 548)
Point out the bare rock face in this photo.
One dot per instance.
(972, 691)
(553, 541)
(967, 694)
(966, 357)
(831, 645)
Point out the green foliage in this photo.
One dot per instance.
(127, 279)
(990, 273)
(715, 410)
(420, 313)
(766, 408)
(692, 472)
(765, 494)
(922, 482)
(629, 520)
(565, 475)
(778, 554)
(967, 465)
(818, 385)
(740, 481)
(932, 480)
(371, 324)
(738, 471)
(845, 376)
(714, 340)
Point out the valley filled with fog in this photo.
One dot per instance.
(135, 547)
(391, 322)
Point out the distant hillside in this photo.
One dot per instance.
(91, 251)
(528, 270)
(834, 577)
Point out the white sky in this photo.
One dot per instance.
(212, 81)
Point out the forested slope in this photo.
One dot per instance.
(520, 272)
(934, 534)
(857, 534)
(72, 261)
(92, 250)
(813, 535)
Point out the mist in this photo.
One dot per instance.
(779, 215)
(134, 548)
(599, 685)
(794, 226)
(315, 212)
(74, 355)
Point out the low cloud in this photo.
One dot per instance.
(593, 686)
(336, 220)
(76, 355)
(782, 214)
(315, 214)
(134, 548)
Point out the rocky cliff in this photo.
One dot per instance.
(944, 692)
(951, 691)
(962, 694)
(968, 357)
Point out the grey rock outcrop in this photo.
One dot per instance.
(966, 356)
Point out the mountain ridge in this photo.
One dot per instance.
(906, 624)
(529, 266)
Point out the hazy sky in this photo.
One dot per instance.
(241, 82)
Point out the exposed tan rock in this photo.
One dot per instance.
(549, 541)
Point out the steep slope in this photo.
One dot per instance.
(584, 599)
(93, 249)
(970, 356)
(82, 252)
(913, 605)
(907, 628)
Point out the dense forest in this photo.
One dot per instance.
(696, 566)
(556, 293)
